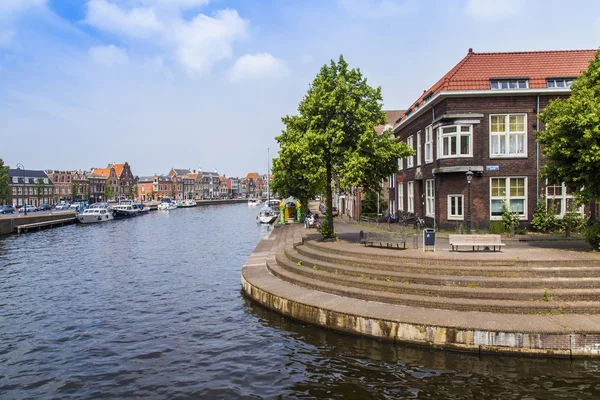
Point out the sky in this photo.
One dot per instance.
(204, 83)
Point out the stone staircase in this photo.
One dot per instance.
(509, 287)
(485, 302)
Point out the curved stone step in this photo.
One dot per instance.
(498, 259)
(462, 270)
(479, 305)
(451, 280)
(353, 277)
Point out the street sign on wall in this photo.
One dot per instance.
(492, 168)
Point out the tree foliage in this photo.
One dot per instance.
(332, 140)
(571, 139)
(4, 183)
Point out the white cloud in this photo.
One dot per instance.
(205, 40)
(8, 7)
(377, 8)
(195, 44)
(108, 55)
(257, 66)
(492, 8)
(137, 22)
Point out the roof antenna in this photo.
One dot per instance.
(470, 49)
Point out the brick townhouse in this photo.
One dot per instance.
(29, 187)
(482, 117)
(119, 180)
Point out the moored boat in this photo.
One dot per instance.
(94, 214)
(166, 204)
(122, 211)
(254, 202)
(190, 203)
(266, 215)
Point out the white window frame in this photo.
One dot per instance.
(453, 200)
(430, 198)
(559, 82)
(564, 199)
(400, 164)
(410, 159)
(505, 137)
(428, 145)
(418, 148)
(508, 197)
(508, 84)
(400, 196)
(410, 193)
(457, 137)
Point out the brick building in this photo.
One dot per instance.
(62, 184)
(119, 180)
(482, 117)
(29, 187)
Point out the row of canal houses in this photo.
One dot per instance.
(37, 187)
(480, 120)
(117, 182)
(183, 184)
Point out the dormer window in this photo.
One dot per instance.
(559, 82)
(504, 84)
(15, 179)
(427, 97)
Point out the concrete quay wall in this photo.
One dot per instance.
(574, 336)
(9, 225)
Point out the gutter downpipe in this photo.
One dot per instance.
(537, 152)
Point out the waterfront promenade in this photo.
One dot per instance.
(537, 297)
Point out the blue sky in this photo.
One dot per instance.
(204, 83)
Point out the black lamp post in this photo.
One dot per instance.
(22, 168)
(469, 175)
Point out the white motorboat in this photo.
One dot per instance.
(94, 214)
(167, 204)
(254, 202)
(266, 215)
(125, 210)
(189, 203)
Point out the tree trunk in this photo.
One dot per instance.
(329, 195)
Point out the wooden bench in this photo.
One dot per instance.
(478, 241)
(383, 237)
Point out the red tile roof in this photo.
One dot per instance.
(105, 172)
(252, 175)
(118, 169)
(475, 70)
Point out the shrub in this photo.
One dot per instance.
(592, 235)
(544, 219)
(326, 230)
(573, 221)
(496, 227)
(509, 218)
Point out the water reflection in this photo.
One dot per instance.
(340, 366)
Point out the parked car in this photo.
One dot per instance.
(44, 207)
(63, 206)
(335, 211)
(28, 207)
(6, 210)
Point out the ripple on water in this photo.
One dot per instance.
(151, 308)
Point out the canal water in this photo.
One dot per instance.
(151, 308)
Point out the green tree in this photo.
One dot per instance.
(4, 183)
(109, 193)
(332, 140)
(39, 189)
(73, 190)
(571, 138)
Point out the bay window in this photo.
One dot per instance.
(455, 141)
(508, 135)
(513, 192)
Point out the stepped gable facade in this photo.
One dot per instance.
(119, 181)
(482, 117)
